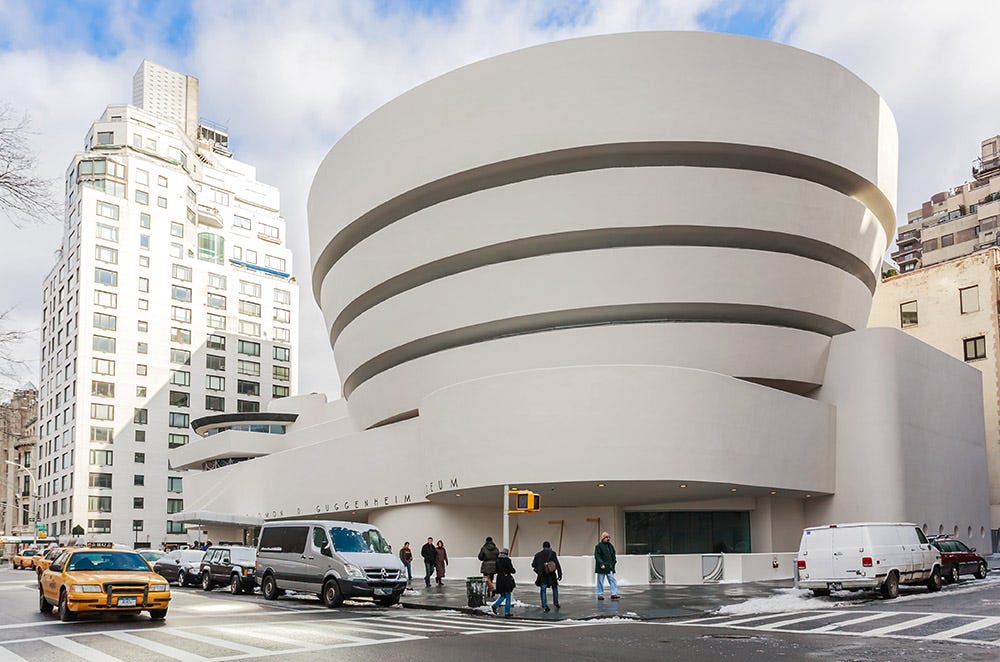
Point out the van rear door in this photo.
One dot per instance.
(848, 543)
(817, 551)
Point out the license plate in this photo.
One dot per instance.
(126, 602)
(383, 591)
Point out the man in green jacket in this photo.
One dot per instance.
(604, 564)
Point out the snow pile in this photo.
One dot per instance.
(483, 610)
(786, 599)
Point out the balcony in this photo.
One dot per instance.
(985, 168)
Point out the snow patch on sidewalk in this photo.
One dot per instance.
(785, 599)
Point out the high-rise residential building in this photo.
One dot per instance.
(955, 222)
(172, 298)
(18, 430)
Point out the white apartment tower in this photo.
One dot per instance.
(172, 299)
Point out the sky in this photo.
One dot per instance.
(290, 78)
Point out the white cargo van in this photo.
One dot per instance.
(878, 556)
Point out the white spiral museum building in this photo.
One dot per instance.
(631, 273)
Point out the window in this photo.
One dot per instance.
(215, 383)
(279, 391)
(176, 229)
(140, 435)
(251, 368)
(975, 348)
(100, 480)
(140, 391)
(98, 525)
(104, 344)
(218, 197)
(175, 527)
(215, 341)
(143, 260)
(151, 144)
(138, 503)
(137, 525)
(144, 242)
(283, 297)
(142, 197)
(106, 322)
(250, 256)
(142, 176)
(106, 277)
(107, 232)
(141, 369)
(280, 373)
(142, 326)
(176, 250)
(102, 435)
(276, 263)
(180, 378)
(969, 298)
(182, 315)
(161, 202)
(282, 334)
(175, 440)
(245, 406)
(249, 289)
(141, 416)
(105, 254)
(282, 315)
(180, 356)
(247, 388)
(268, 232)
(180, 399)
(214, 362)
(102, 412)
(240, 222)
(217, 281)
(247, 328)
(215, 403)
(142, 304)
(102, 389)
(105, 137)
(107, 210)
(179, 335)
(102, 458)
(249, 348)
(282, 353)
(139, 480)
(947, 240)
(144, 220)
(180, 272)
(162, 181)
(216, 321)
(143, 284)
(174, 506)
(102, 367)
(105, 299)
(179, 293)
(179, 420)
(211, 248)
(250, 308)
(139, 458)
(175, 484)
(141, 348)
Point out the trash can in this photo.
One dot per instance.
(475, 591)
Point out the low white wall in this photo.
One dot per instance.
(740, 568)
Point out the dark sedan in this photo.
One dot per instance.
(958, 559)
(182, 566)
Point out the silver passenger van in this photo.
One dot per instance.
(335, 560)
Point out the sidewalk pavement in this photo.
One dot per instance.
(581, 603)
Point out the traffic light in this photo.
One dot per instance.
(525, 501)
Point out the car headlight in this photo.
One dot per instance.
(354, 572)
(156, 588)
(85, 588)
(247, 571)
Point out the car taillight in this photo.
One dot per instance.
(801, 564)
(866, 562)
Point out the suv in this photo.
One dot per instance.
(958, 559)
(229, 565)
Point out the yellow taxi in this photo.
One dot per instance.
(25, 559)
(102, 579)
(43, 561)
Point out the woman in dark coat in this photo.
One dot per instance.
(440, 561)
(488, 555)
(505, 581)
(544, 562)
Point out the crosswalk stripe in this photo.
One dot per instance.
(905, 625)
(8, 656)
(333, 630)
(467, 626)
(412, 628)
(983, 622)
(156, 647)
(296, 645)
(758, 617)
(790, 621)
(214, 641)
(79, 650)
(853, 621)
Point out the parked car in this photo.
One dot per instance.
(151, 555)
(335, 560)
(181, 565)
(878, 556)
(958, 559)
(232, 566)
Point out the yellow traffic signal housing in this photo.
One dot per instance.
(525, 501)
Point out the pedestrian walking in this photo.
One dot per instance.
(505, 582)
(440, 561)
(546, 566)
(604, 564)
(406, 556)
(488, 554)
(428, 554)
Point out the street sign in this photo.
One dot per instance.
(42, 528)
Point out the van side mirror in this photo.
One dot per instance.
(326, 551)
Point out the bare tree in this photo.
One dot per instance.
(24, 196)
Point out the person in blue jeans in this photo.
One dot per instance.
(546, 566)
(406, 556)
(505, 582)
(604, 564)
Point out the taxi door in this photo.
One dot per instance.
(50, 579)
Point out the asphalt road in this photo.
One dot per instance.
(204, 626)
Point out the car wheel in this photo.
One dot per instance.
(389, 600)
(182, 578)
(269, 588)
(65, 615)
(332, 596)
(954, 573)
(821, 592)
(157, 614)
(981, 570)
(44, 605)
(206, 580)
(934, 581)
(235, 584)
(890, 587)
